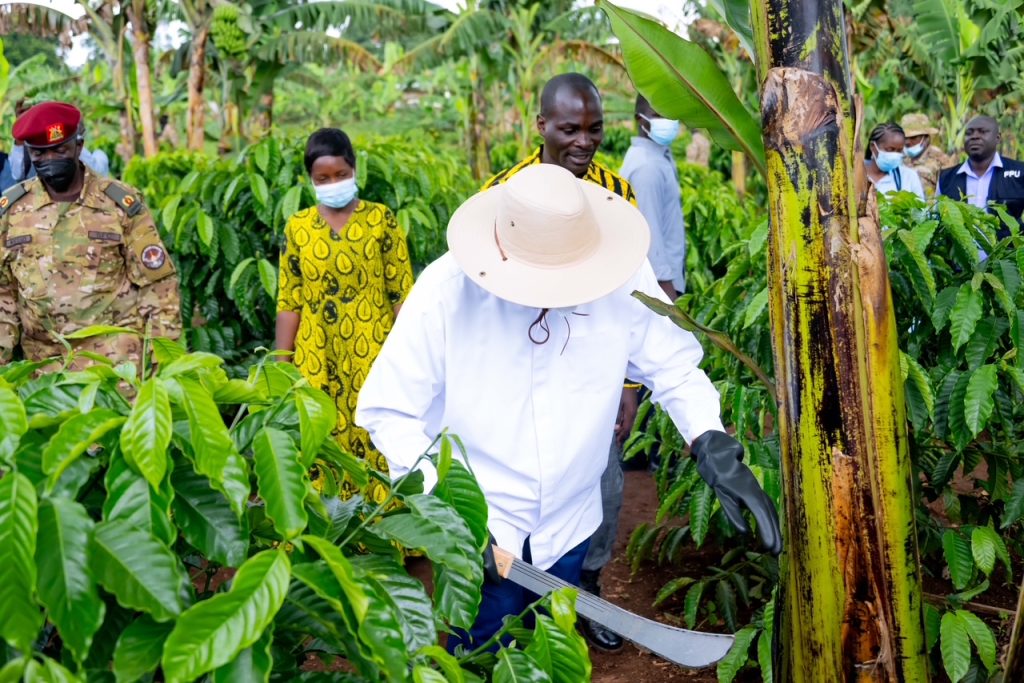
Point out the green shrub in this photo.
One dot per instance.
(223, 220)
(145, 537)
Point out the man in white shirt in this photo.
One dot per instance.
(517, 340)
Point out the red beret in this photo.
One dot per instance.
(47, 124)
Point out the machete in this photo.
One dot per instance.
(691, 649)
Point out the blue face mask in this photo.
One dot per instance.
(662, 131)
(887, 162)
(337, 195)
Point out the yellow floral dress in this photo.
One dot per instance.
(344, 285)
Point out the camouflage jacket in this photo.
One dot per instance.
(928, 166)
(68, 265)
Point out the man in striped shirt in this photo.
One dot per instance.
(571, 121)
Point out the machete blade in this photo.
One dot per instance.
(692, 649)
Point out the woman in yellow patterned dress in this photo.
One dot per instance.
(345, 272)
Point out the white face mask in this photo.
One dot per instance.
(914, 151)
(662, 131)
(337, 195)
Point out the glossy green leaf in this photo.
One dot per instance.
(317, 417)
(983, 548)
(942, 307)
(1014, 505)
(957, 551)
(282, 481)
(407, 601)
(147, 432)
(966, 312)
(321, 590)
(252, 665)
(932, 618)
(683, 82)
(268, 277)
(130, 498)
(196, 361)
(702, 504)
(515, 666)
(958, 429)
(981, 636)
(214, 450)
(955, 645)
(918, 390)
(20, 618)
(435, 528)
(12, 671)
(259, 188)
(204, 226)
(978, 401)
(448, 664)
(737, 14)
(213, 632)
(166, 350)
(139, 570)
(75, 436)
(692, 603)
(737, 656)
(206, 520)
(49, 671)
(100, 331)
(13, 423)
(764, 657)
(139, 648)
(379, 630)
(338, 515)
(562, 653)
(755, 308)
(65, 586)
(291, 201)
(424, 674)
(460, 490)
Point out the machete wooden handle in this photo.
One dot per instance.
(503, 560)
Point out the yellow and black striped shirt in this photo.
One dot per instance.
(596, 173)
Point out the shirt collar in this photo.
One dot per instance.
(965, 168)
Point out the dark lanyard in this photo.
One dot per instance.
(896, 177)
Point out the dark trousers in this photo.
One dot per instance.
(508, 598)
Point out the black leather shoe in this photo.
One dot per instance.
(596, 634)
(600, 637)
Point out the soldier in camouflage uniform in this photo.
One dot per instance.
(922, 156)
(77, 249)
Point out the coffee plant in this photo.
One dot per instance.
(160, 523)
(223, 222)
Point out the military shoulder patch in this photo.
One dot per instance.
(153, 257)
(13, 194)
(127, 200)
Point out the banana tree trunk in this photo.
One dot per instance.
(852, 600)
(196, 123)
(128, 133)
(479, 163)
(143, 76)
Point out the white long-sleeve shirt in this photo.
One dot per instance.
(536, 419)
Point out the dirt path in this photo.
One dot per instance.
(637, 593)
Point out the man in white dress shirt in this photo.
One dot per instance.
(517, 340)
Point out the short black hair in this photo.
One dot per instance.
(577, 83)
(329, 142)
(879, 132)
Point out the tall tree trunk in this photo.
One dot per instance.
(851, 591)
(126, 148)
(739, 172)
(143, 75)
(479, 162)
(196, 124)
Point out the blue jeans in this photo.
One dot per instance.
(509, 598)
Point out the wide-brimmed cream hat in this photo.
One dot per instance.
(547, 239)
(917, 124)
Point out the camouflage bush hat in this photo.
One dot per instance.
(47, 124)
(917, 124)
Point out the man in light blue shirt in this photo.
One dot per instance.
(651, 170)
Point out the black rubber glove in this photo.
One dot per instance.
(720, 464)
(491, 574)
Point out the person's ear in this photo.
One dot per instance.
(540, 123)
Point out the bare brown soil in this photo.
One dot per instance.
(636, 593)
